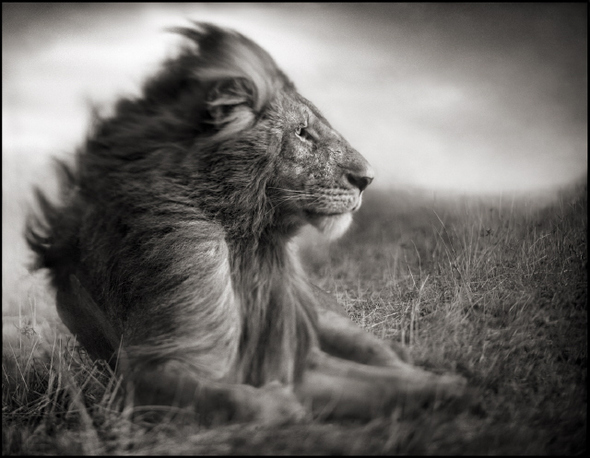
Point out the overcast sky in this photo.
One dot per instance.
(471, 97)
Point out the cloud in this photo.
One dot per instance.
(449, 96)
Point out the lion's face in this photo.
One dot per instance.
(274, 159)
(319, 176)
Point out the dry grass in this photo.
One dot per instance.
(493, 289)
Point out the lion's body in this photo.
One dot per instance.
(172, 241)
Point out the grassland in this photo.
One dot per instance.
(492, 288)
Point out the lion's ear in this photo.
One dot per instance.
(230, 97)
(231, 106)
(237, 67)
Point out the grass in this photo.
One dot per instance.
(494, 289)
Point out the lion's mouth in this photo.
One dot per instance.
(356, 206)
(331, 212)
(323, 214)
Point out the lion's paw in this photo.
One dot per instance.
(401, 351)
(452, 393)
(280, 405)
(273, 404)
(452, 385)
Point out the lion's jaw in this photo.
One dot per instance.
(333, 227)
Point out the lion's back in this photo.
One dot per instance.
(117, 264)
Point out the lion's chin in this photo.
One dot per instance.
(333, 226)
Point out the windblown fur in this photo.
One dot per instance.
(167, 208)
(171, 241)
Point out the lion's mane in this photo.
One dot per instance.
(160, 206)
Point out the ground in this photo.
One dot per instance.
(492, 288)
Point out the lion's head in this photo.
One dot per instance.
(242, 140)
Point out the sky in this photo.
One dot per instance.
(476, 98)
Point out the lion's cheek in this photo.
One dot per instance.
(292, 175)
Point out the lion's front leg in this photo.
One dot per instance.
(340, 337)
(333, 387)
(214, 402)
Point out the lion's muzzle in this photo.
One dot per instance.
(360, 181)
(357, 170)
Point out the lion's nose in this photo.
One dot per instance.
(361, 179)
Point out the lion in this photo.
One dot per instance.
(172, 256)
